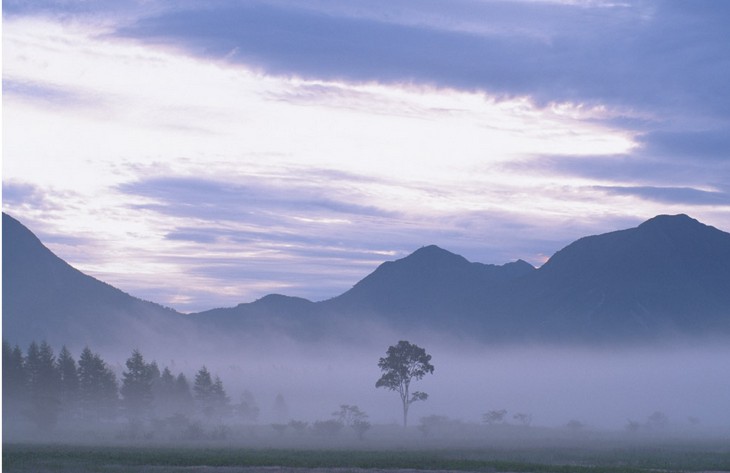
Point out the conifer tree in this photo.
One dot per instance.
(156, 375)
(14, 382)
(167, 383)
(43, 386)
(136, 387)
(220, 400)
(69, 381)
(163, 390)
(248, 409)
(98, 389)
(14, 375)
(203, 391)
(183, 396)
(281, 410)
(210, 395)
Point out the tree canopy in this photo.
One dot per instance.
(402, 364)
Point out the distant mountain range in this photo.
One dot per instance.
(670, 276)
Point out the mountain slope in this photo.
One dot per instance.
(431, 286)
(669, 274)
(293, 316)
(44, 298)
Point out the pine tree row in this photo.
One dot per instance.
(44, 390)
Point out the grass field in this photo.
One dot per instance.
(164, 459)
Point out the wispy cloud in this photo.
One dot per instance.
(674, 195)
(23, 193)
(45, 94)
(242, 148)
(709, 145)
(207, 199)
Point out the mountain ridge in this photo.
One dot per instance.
(669, 274)
(669, 268)
(425, 284)
(72, 302)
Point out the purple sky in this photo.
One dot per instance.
(203, 154)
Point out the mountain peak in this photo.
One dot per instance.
(520, 264)
(432, 251)
(280, 299)
(681, 230)
(671, 221)
(432, 256)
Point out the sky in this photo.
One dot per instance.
(204, 154)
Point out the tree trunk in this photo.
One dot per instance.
(405, 413)
(404, 398)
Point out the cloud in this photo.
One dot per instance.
(24, 194)
(704, 145)
(40, 208)
(303, 144)
(207, 199)
(193, 235)
(47, 94)
(662, 159)
(683, 195)
(311, 218)
(631, 169)
(664, 55)
(313, 44)
(69, 10)
(255, 237)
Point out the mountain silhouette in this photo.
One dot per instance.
(44, 298)
(668, 276)
(431, 285)
(293, 316)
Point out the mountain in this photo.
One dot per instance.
(668, 276)
(293, 316)
(44, 298)
(431, 286)
(671, 274)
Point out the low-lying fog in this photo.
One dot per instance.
(679, 388)
(603, 387)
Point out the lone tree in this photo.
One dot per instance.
(403, 363)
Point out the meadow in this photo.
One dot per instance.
(647, 457)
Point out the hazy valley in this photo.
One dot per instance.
(613, 329)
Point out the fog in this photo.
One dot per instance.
(685, 386)
(602, 388)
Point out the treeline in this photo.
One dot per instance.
(45, 390)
